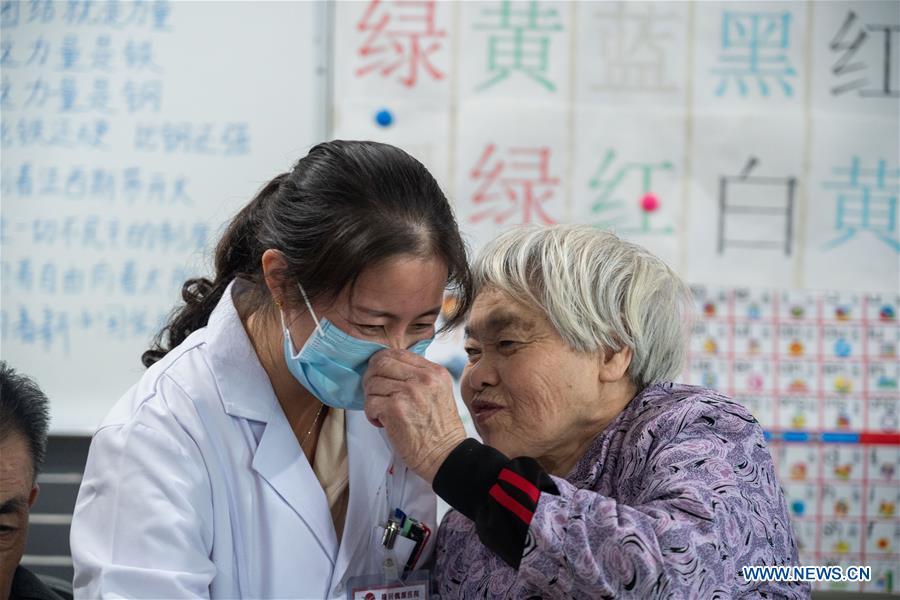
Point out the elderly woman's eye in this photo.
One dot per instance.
(472, 352)
(505, 344)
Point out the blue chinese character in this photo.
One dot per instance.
(146, 95)
(69, 53)
(38, 93)
(76, 183)
(69, 230)
(41, 11)
(236, 139)
(6, 58)
(6, 93)
(129, 278)
(55, 324)
(754, 48)
(139, 56)
(138, 15)
(25, 328)
(179, 192)
(176, 137)
(31, 132)
(62, 134)
(161, 12)
(78, 12)
(91, 236)
(98, 100)
(49, 182)
(115, 319)
(144, 138)
(199, 235)
(866, 201)
(25, 181)
(25, 274)
(9, 13)
(139, 236)
(40, 50)
(68, 95)
(73, 281)
(111, 13)
(156, 189)
(103, 185)
(101, 57)
(169, 235)
(93, 134)
(112, 233)
(151, 283)
(132, 185)
(101, 277)
(138, 322)
(48, 278)
(6, 140)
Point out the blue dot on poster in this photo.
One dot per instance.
(798, 507)
(842, 348)
(384, 117)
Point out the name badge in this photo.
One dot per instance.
(377, 587)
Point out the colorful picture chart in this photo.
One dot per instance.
(819, 370)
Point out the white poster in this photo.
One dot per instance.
(130, 133)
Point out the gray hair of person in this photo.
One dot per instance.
(24, 410)
(598, 291)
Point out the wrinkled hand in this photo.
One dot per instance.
(412, 398)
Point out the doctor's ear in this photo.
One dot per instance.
(274, 267)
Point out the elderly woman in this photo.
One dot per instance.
(597, 476)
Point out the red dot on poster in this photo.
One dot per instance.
(649, 203)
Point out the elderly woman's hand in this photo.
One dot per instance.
(412, 398)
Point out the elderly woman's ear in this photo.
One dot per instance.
(614, 365)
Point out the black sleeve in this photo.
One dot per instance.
(498, 494)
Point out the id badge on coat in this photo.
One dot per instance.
(375, 587)
(398, 555)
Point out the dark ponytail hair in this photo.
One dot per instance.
(345, 206)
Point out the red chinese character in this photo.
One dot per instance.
(402, 35)
(517, 186)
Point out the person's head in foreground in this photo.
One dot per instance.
(23, 442)
(598, 476)
(569, 325)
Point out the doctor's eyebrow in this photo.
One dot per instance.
(388, 315)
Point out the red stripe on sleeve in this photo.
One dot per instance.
(510, 504)
(520, 482)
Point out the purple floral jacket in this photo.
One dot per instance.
(670, 501)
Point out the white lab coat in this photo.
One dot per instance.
(195, 486)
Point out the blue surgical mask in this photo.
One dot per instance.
(331, 363)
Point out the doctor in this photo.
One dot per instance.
(241, 464)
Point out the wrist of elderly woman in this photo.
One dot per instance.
(500, 495)
(428, 467)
